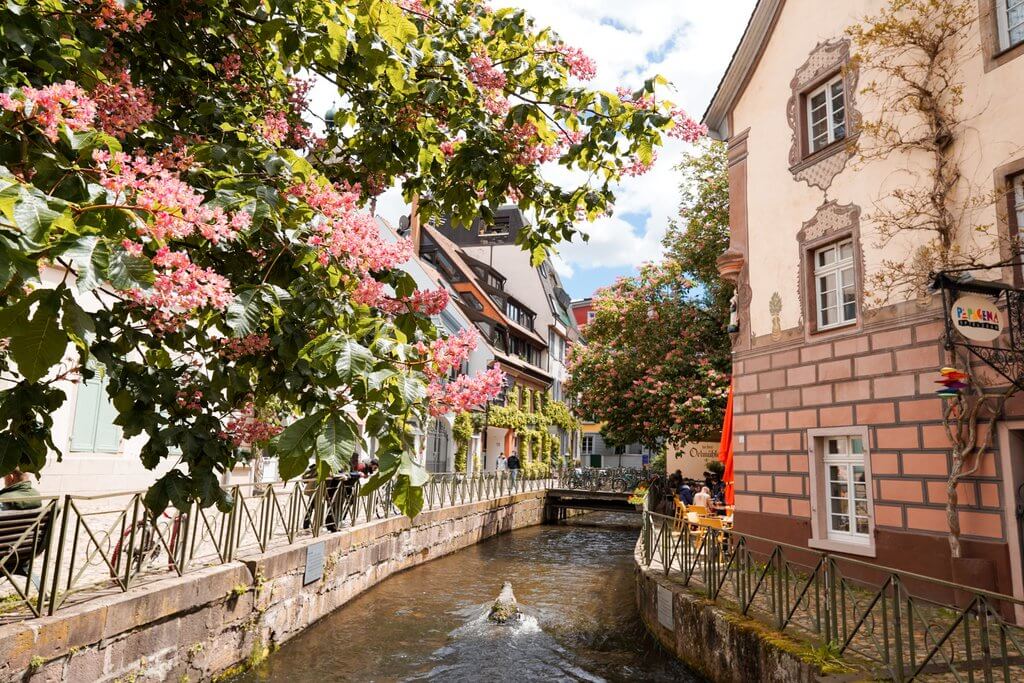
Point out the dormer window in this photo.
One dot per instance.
(519, 314)
(498, 228)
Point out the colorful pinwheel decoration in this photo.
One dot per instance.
(953, 381)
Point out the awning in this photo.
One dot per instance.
(725, 452)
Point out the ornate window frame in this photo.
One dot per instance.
(832, 222)
(826, 61)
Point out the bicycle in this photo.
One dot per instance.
(149, 544)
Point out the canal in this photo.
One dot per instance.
(575, 587)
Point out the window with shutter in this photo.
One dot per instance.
(94, 430)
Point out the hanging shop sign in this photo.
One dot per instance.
(976, 318)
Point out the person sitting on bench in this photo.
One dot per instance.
(19, 494)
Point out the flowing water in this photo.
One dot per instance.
(575, 587)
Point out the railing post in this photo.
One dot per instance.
(777, 575)
(897, 627)
(131, 542)
(986, 646)
(61, 539)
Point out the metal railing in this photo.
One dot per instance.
(618, 479)
(75, 546)
(899, 625)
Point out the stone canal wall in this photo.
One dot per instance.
(209, 623)
(722, 646)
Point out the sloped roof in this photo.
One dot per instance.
(744, 60)
(453, 252)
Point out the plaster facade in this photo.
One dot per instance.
(871, 379)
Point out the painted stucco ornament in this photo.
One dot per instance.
(775, 309)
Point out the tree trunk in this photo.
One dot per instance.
(952, 513)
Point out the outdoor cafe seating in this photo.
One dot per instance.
(699, 519)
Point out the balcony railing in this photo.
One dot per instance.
(74, 547)
(898, 625)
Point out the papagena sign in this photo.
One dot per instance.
(976, 318)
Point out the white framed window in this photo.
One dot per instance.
(93, 429)
(835, 285)
(1010, 20)
(842, 505)
(587, 445)
(848, 512)
(826, 114)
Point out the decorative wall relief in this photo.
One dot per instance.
(775, 309)
(820, 168)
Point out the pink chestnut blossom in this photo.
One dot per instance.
(112, 13)
(53, 106)
(448, 353)
(274, 127)
(414, 7)
(577, 62)
(234, 348)
(176, 209)
(247, 428)
(483, 73)
(497, 104)
(427, 302)
(181, 287)
(348, 235)
(230, 67)
(637, 168)
(121, 107)
(464, 392)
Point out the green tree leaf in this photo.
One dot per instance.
(245, 312)
(336, 443)
(353, 360)
(295, 445)
(407, 497)
(129, 271)
(37, 342)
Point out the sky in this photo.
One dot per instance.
(687, 41)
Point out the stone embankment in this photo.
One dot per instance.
(723, 646)
(213, 622)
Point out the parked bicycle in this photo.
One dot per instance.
(147, 546)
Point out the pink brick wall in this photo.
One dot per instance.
(880, 379)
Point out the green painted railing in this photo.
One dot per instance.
(897, 625)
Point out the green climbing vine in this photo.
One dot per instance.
(462, 431)
(530, 414)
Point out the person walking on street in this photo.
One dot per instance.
(513, 467)
(501, 463)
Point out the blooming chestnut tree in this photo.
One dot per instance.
(216, 256)
(655, 368)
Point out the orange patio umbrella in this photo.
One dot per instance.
(725, 451)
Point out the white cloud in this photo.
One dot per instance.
(687, 41)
